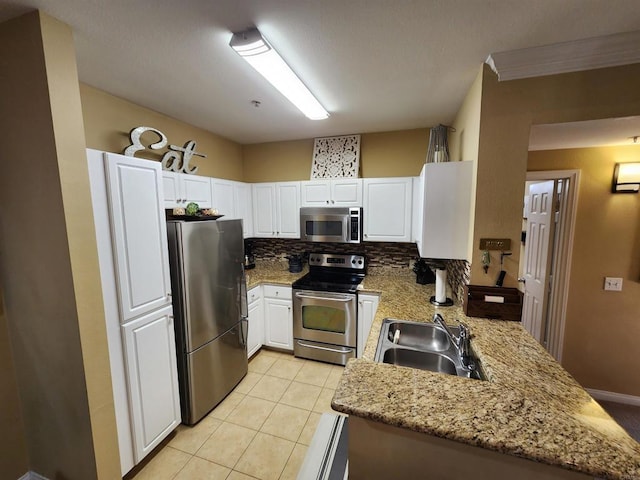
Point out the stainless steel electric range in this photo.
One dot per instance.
(325, 308)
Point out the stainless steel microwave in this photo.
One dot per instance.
(331, 224)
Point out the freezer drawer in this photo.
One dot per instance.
(212, 372)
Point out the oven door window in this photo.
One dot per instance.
(326, 319)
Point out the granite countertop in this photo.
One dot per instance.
(530, 406)
(272, 272)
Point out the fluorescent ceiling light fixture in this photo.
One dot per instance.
(255, 49)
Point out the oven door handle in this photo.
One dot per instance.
(346, 350)
(313, 297)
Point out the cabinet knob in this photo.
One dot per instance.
(327, 201)
(333, 201)
(277, 293)
(366, 235)
(169, 294)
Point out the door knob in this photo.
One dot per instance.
(522, 280)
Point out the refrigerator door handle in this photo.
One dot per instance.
(244, 331)
(244, 310)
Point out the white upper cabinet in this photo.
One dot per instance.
(444, 203)
(139, 234)
(276, 210)
(344, 192)
(233, 200)
(222, 197)
(243, 206)
(180, 189)
(387, 209)
(288, 209)
(264, 209)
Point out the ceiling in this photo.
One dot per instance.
(376, 65)
(607, 132)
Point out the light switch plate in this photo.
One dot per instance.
(613, 284)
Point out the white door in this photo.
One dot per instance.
(255, 335)
(243, 207)
(315, 193)
(367, 306)
(223, 201)
(539, 238)
(196, 189)
(387, 209)
(288, 203)
(264, 209)
(152, 379)
(346, 192)
(278, 323)
(139, 233)
(171, 190)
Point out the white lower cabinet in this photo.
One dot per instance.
(367, 306)
(278, 317)
(255, 335)
(149, 343)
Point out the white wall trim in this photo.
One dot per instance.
(578, 55)
(614, 397)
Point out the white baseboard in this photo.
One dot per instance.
(614, 397)
(32, 476)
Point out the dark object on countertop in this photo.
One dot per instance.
(295, 263)
(249, 258)
(424, 275)
(500, 303)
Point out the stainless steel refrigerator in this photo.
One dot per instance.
(210, 310)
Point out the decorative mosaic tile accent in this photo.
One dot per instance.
(384, 258)
(379, 254)
(458, 275)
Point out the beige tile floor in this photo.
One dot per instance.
(260, 431)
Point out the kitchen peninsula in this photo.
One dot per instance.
(530, 418)
(529, 408)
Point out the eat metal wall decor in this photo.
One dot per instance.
(176, 159)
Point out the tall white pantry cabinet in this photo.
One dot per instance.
(131, 235)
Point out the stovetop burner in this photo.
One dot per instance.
(330, 272)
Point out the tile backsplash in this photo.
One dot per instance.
(387, 258)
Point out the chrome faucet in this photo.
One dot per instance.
(461, 342)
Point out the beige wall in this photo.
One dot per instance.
(13, 461)
(607, 243)
(49, 264)
(109, 119)
(464, 141)
(387, 154)
(508, 110)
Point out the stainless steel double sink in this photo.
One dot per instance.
(425, 346)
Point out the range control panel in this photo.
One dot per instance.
(335, 260)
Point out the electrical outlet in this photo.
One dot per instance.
(613, 283)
